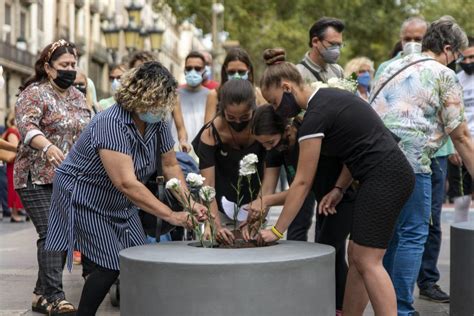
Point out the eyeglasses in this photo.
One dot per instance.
(112, 78)
(234, 72)
(413, 39)
(190, 68)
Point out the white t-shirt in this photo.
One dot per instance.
(467, 83)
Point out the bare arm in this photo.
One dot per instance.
(464, 145)
(270, 181)
(180, 127)
(211, 106)
(7, 145)
(301, 185)
(121, 172)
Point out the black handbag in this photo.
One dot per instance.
(153, 225)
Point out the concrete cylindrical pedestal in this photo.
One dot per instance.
(462, 269)
(174, 279)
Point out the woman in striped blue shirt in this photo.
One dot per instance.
(99, 186)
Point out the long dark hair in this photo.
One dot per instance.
(49, 54)
(236, 92)
(236, 54)
(267, 122)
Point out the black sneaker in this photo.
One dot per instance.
(435, 294)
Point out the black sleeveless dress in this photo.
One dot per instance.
(226, 160)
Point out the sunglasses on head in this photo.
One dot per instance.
(197, 68)
(233, 72)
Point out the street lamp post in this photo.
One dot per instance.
(134, 12)
(111, 34)
(141, 39)
(156, 36)
(131, 32)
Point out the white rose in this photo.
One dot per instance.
(173, 184)
(333, 81)
(247, 170)
(195, 180)
(250, 159)
(207, 193)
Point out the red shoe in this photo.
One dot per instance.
(76, 257)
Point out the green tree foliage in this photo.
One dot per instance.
(372, 26)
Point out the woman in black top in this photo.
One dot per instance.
(340, 125)
(330, 230)
(222, 143)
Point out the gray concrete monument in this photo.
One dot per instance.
(174, 279)
(462, 269)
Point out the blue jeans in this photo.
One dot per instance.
(403, 257)
(429, 273)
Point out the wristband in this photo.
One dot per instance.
(276, 232)
(45, 148)
(340, 188)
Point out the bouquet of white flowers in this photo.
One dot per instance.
(205, 194)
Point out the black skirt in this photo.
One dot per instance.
(382, 195)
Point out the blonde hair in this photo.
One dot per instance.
(355, 64)
(149, 87)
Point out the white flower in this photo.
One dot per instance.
(207, 193)
(195, 180)
(250, 159)
(333, 81)
(173, 184)
(247, 170)
(248, 165)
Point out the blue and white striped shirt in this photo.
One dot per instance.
(88, 213)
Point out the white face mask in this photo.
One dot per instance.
(2, 81)
(411, 48)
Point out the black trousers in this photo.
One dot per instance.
(98, 282)
(298, 229)
(333, 230)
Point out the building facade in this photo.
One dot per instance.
(27, 26)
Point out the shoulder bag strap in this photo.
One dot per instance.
(160, 185)
(396, 73)
(315, 73)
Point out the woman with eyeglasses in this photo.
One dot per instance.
(51, 114)
(237, 65)
(220, 145)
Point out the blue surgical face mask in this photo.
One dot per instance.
(237, 76)
(150, 117)
(115, 86)
(363, 79)
(193, 78)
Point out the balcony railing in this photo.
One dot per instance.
(16, 55)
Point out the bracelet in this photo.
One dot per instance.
(45, 148)
(276, 232)
(340, 188)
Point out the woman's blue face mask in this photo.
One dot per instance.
(150, 117)
(363, 79)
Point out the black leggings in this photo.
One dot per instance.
(98, 282)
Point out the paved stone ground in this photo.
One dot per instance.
(18, 270)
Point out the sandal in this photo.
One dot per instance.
(62, 307)
(41, 306)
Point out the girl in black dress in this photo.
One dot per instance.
(221, 144)
(340, 125)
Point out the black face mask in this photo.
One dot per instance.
(288, 107)
(238, 126)
(81, 88)
(468, 68)
(65, 78)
